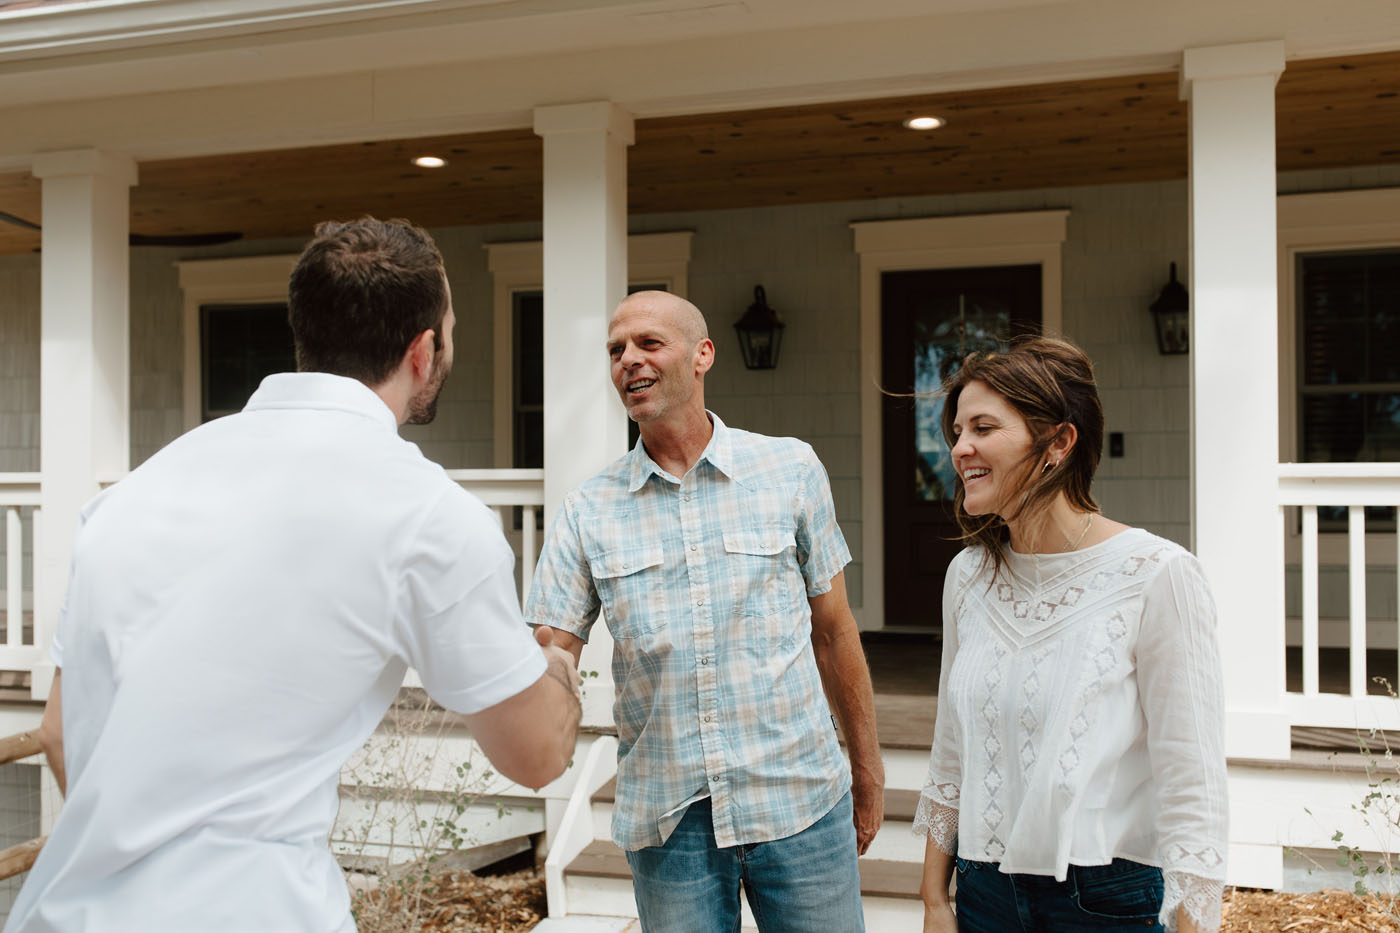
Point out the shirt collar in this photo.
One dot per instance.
(321, 391)
(719, 451)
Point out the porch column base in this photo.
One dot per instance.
(1251, 733)
(1254, 866)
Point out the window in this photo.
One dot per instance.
(517, 273)
(1348, 319)
(528, 405)
(528, 316)
(235, 330)
(238, 346)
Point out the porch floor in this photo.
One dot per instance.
(904, 668)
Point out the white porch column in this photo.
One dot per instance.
(1234, 378)
(585, 276)
(84, 357)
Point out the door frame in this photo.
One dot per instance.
(1014, 239)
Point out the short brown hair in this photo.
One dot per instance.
(1050, 383)
(360, 293)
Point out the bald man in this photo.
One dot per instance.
(715, 557)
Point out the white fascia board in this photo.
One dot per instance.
(106, 24)
(272, 92)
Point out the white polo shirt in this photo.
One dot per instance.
(241, 612)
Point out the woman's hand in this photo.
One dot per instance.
(939, 918)
(933, 889)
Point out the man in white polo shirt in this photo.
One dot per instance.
(242, 609)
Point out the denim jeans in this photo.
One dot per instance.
(1122, 895)
(808, 881)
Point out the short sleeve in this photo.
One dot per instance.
(562, 594)
(1181, 683)
(821, 547)
(461, 626)
(937, 813)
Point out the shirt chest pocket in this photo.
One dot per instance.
(631, 588)
(761, 566)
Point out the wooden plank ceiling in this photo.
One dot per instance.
(1331, 113)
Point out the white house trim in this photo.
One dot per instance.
(84, 358)
(1032, 237)
(1234, 356)
(1317, 223)
(652, 259)
(243, 280)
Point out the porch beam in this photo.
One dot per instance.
(585, 276)
(84, 357)
(1234, 378)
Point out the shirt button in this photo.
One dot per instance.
(695, 547)
(685, 498)
(709, 718)
(699, 602)
(704, 660)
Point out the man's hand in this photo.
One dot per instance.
(868, 798)
(846, 680)
(530, 737)
(562, 665)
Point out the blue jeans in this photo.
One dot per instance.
(1122, 896)
(808, 881)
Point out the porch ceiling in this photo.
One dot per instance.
(1330, 112)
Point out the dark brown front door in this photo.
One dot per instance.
(930, 320)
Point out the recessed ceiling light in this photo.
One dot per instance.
(924, 123)
(429, 162)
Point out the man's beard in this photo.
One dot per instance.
(422, 408)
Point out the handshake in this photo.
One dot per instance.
(562, 664)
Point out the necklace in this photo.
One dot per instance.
(1088, 520)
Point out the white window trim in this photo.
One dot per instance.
(244, 280)
(652, 258)
(1025, 238)
(1313, 223)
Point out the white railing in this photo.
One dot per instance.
(19, 499)
(504, 491)
(1353, 486)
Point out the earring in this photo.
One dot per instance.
(1047, 468)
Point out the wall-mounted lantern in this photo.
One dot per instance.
(760, 333)
(1172, 313)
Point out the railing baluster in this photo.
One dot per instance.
(14, 577)
(1396, 685)
(1356, 575)
(500, 511)
(527, 550)
(34, 591)
(1310, 638)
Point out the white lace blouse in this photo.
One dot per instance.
(1081, 718)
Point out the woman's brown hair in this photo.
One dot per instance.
(1050, 383)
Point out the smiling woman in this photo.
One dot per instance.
(1079, 740)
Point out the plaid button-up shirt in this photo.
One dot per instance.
(704, 584)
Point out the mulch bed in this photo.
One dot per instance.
(456, 901)
(1320, 912)
(515, 903)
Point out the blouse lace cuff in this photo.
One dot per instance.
(1200, 897)
(939, 823)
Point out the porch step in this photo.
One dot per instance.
(599, 881)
